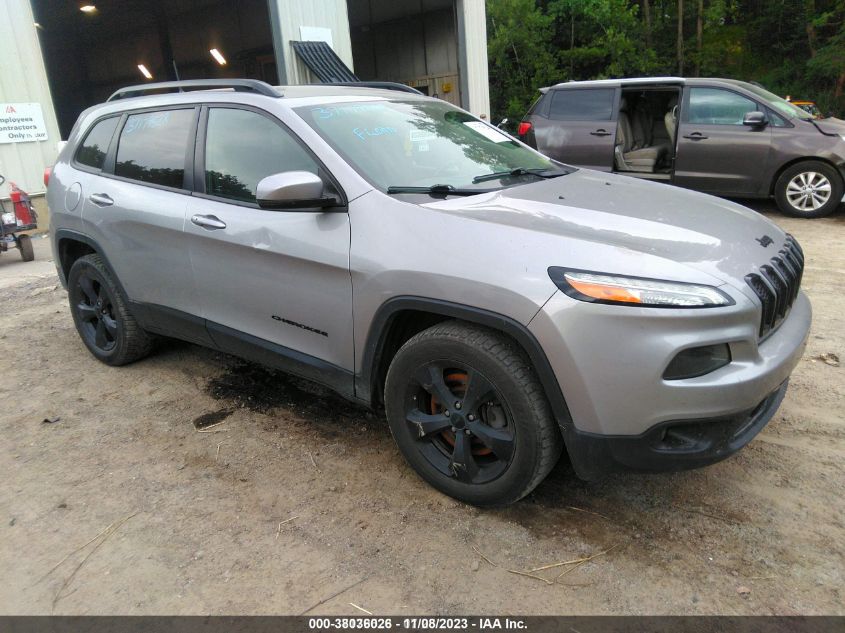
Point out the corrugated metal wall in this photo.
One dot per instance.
(23, 79)
(288, 16)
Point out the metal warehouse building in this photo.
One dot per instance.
(58, 57)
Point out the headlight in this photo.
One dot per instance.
(616, 289)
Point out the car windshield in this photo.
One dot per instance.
(424, 144)
(781, 105)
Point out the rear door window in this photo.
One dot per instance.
(92, 152)
(595, 104)
(714, 106)
(153, 145)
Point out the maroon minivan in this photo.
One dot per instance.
(719, 136)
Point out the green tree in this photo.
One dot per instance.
(519, 38)
(601, 38)
(827, 65)
(792, 47)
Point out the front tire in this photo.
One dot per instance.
(810, 189)
(469, 414)
(103, 321)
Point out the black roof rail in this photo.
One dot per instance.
(238, 85)
(384, 85)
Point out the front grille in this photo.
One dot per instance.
(777, 284)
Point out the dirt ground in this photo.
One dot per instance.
(300, 502)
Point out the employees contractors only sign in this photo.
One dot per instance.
(21, 123)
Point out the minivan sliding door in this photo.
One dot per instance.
(581, 129)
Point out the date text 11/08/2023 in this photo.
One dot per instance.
(417, 623)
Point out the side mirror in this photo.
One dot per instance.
(502, 122)
(755, 119)
(293, 190)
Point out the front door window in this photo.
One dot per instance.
(713, 106)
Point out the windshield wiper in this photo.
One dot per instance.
(443, 190)
(542, 172)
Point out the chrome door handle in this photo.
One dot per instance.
(210, 222)
(600, 132)
(695, 136)
(101, 199)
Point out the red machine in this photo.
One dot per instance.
(22, 217)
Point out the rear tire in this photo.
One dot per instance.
(25, 245)
(469, 414)
(103, 321)
(809, 189)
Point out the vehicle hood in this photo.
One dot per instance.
(831, 125)
(656, 222)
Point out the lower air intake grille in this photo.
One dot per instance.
(777, 284)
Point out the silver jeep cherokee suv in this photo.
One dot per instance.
(499, 304)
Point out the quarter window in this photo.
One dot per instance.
(774, 119)
(242, 147)
(712, 106)
(94, 148)
(152, 147)
(582, 105)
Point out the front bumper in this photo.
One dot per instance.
(609, 362)
(670, 446)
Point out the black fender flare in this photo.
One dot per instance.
(70, 234)
(381, 323)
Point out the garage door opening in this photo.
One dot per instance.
(90, 50)
(414, 42)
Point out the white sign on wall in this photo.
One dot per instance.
(22, 123)
(316, 34)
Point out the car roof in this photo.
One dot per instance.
(639, 81)
(285, 96)
(247, 90)
(620, 82)
(328, 90)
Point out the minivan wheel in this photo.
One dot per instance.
(102, 319)
(811, 189)
(469, 414)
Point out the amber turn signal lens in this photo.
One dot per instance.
(604, 293)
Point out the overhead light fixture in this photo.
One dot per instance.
(87, 8)
(144, 71)
(218, 57)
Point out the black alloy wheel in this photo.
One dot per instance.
(94, 306)
(460, 422)
(469, 414)
(102, 318)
